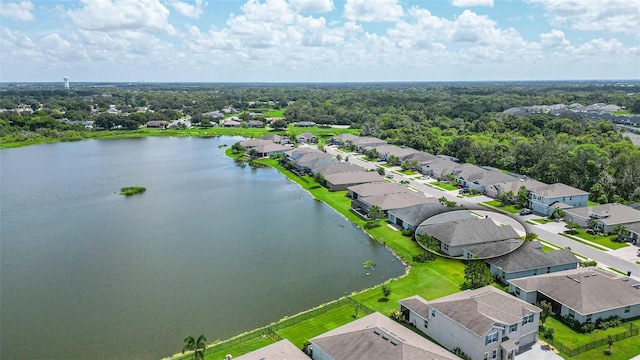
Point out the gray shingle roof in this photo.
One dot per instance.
(469, 231)
(267, 148)
(476, 310)
(557, 190)
(377, 337)
(419, 157)
(529, 256)
(283, 349)
(515, 185)
(585, 290)
(493, 249)
(608, 214)
(448, 216)
(415, 215)
(338, 168)
(378, 189)
(397, 200)
(354, 177)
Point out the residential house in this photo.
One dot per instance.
(306, 137)
(418, 157)
(437, 168)
(412, 216)
(472, 237)
(375, 337)
(530, 260)
(231, 123)
(295, 154)
(271, 149)
(583, 294)
(278, 139)
(337, 168)
(388, 202)
(255, 124)
(156, 124)
(605, 217)
(513, 185)
(214, 114)
(486, 323)
(283, 349)
(342, 139)
(544, 199)
(310, 163)
(383, 188)
(254, 143)
(477, 178)
(385, 151)
(341, 181)
(362, 142)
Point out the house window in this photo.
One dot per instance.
(527, 319)
(491, 338)
(433, 313)
(627, 309)
(571, 314)
(535, 272)
(513, 328)
(494, 354)
(426, 323)
(486, 356)
(588, 318)
(548, 269)
(517, 291)
(446, 247)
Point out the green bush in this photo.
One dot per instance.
(406, 232)
(587, 328)
(548, 334)
(132, 190)
(424, 257)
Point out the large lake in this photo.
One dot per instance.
(210, 247)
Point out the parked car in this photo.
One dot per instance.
(525, 212)
(463, 191)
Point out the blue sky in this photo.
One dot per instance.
(318, 40)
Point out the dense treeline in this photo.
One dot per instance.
(462, 120)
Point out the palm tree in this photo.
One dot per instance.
(197, 346)
(530, 236)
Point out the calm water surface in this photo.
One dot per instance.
(209, 248)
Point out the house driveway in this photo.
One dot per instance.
(538, 351)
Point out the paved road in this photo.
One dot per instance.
(548, 232)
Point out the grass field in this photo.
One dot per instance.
(600, 240)
(445, 186)
(542, 220)
(240, 349)
(305, 330)
(496, 204)
(623, 349)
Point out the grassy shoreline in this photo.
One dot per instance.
(322, 133)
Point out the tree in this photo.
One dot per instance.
(546, 311)
(522, 197)
(477, 275)
(572, 226)
(621, 232)
(236, 148)
(506, 198)
(380, 170)
(197, 346)
(375, 213)
(279, 124)
(319, 178)
(556, 214)
(428, 242)
(610, 343)
(393, 160)
(530, 236)
(386, 291)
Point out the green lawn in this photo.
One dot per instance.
(430, 280)
(240, 348)
(305, 330)
(386, 165)
(542, 220)
(273, 113)
(445, 186)
(547, 249)
(571, 339)
(495, 203)
(600, 240)
(407, 172)
(592, 203)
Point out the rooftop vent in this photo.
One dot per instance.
(393, 343)
(376, 332)
(385, 338)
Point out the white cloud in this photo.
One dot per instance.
(191, 10)
(312, 6)
(373, 10)
(553, 39)
(22, 11)
(470, 3)
(122, 15)
(618, 16)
